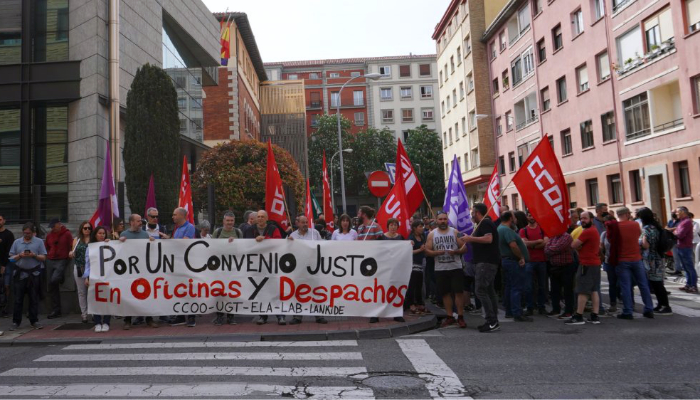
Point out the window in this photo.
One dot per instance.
(334, 75)
(459, 55)
(637, 122)
(467, 45)
(354, 74)
(592, 191)
(440, 78)
(504, 79)
(561, 90)
(557, 41)
(566, 147)
(464, 126)
(454, 97)
(424, 69)
(541, 50)
(406, 92)
(475, 158)
(571, 188)
(523, 153)
(504, 201)
(522, 66)
(499, 128)
(359, 119)
(456, 131)
(495, 86)
(551, 141)
(388, 116)
(313, 75)
(470, 82)
(444, 142)
(385, 70)
(502, 40)
(182, 103)
(11, 35)
(636, 186)
(607, 121)
(658, 29)
(629, 46)
(452, 64)
(516, 70)
(443, 109)
(577, 22)
(428, 114)
(461, 90)
(598, 9)
(358, 98)
(407, 115)
(50, 33)
(695, 87)
(448, 104)
(603, 66)
(447, 169)
(459, 161)
(683, 179)
(314, 120)
(582, 76)
(196, 103)
(405, 135)
(511, 161)
(544, 97)
(692, 15)
(385, 94)
(492, 45)
(447, 76)
(516, 201)
(509, 121)
(615, 188)
(426, 92)
(536, 6)
(334, 99)
(292, 77)
(450, 135)
(472, 120)
(587, 134)
(501, 165)
(519, 24)
(528, 62)
(404, 71)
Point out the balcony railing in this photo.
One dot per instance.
(638, 134)
(620, 4)
(532, 119)
(314, 104)
(668, 125)
(658, 51)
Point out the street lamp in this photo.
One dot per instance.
(332, 189)
(373, 76)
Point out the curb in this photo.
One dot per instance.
(400, 329)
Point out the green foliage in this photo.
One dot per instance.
(237, 169)
(326, 139)
(371, 149)
(424, 147)
(152, 140)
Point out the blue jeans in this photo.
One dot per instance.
(626, 271)
(676, 260)
(516, 279)
(536, 272)
(685, 255)
(101, 319)
(612, 283)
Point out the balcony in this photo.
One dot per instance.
(657, 52)
(531, 120)
(668, 125)
(314, 105)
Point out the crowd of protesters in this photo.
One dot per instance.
(512, 262)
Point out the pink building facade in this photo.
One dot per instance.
(614, 83)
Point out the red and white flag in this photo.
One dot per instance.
(309, 206)
(412, 188)
(399, 204)
(327, 198)
(543, 189)
(185, 197)
(492, 197)
(275, 204)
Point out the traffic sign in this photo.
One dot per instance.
(391, 169)
(379, 183)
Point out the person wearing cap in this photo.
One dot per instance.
(59, 243)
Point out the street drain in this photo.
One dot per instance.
(393, 382)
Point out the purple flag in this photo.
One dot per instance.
(107, 208)
(151, 199)
(457, 205)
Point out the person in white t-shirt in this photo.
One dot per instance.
(344, 231)
(304, 233)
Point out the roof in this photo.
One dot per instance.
(246, 31)
(444, 21)
(337, 61)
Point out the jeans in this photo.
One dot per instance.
(612, 283)
(82, 293)
(685, 255)
(55, 270)
(626, 270)
(430, 285)
(516, 278)
(101, 319)
(676, 260)
(485, 290)
(28, 286)
(563, 278)
(414, 293)
(536, 273)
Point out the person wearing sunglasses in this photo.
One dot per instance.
(153, 227)
(80, 244)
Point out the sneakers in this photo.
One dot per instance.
(178, 321)
(461, 322)
(487, 327)
(649, 314)
(262, 320)
(564, 315)
(98, 328)
(323, 321)
(152, 324)
(658, 308)
(612, 308)
(373, 320)
(664, 311)
(105, 328)
(281, 320)
(447, 322)
(127, 326)
(231, 319)
(576, 319)
(191, 322)
(399, 319)
(522, 318)
(14, 327)
(593, 319)
(692, 290)
(625, 316)
(469, 308)
(219, 320)
(295, 321)
(37, 325)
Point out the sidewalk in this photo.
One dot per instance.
(69, 329)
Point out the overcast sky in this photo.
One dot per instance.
(287, 30)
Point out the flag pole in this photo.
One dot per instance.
(370, 224)
(491, 208)
(286, 208)
(430, 207)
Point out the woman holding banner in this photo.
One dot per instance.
(80, 242)
(99, 234)
(345, 231)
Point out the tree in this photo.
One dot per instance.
(424, 148)
(152, 139)
(371, 149)
(326, 139)
(237, 169)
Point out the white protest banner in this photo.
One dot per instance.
(201, 276)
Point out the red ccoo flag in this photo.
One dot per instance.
(398, 203)
(309, 206)
(412, 188)
(275, 204)
(492, 197)
(327, 202)
(185, 198)
(543, 188)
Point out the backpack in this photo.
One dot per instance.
(237, 231)
(667, 240)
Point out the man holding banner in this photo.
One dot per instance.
(304, 233)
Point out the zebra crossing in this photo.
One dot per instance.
(685, 304)
(299, 370)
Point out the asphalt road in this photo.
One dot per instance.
(642, 358)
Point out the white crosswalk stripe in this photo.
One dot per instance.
(441, 381)
(182, 345)
(355, 372)
(203, 356)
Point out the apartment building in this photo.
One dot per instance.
(232, 109)
(465, 103)
(613, 84)
(361, 100)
